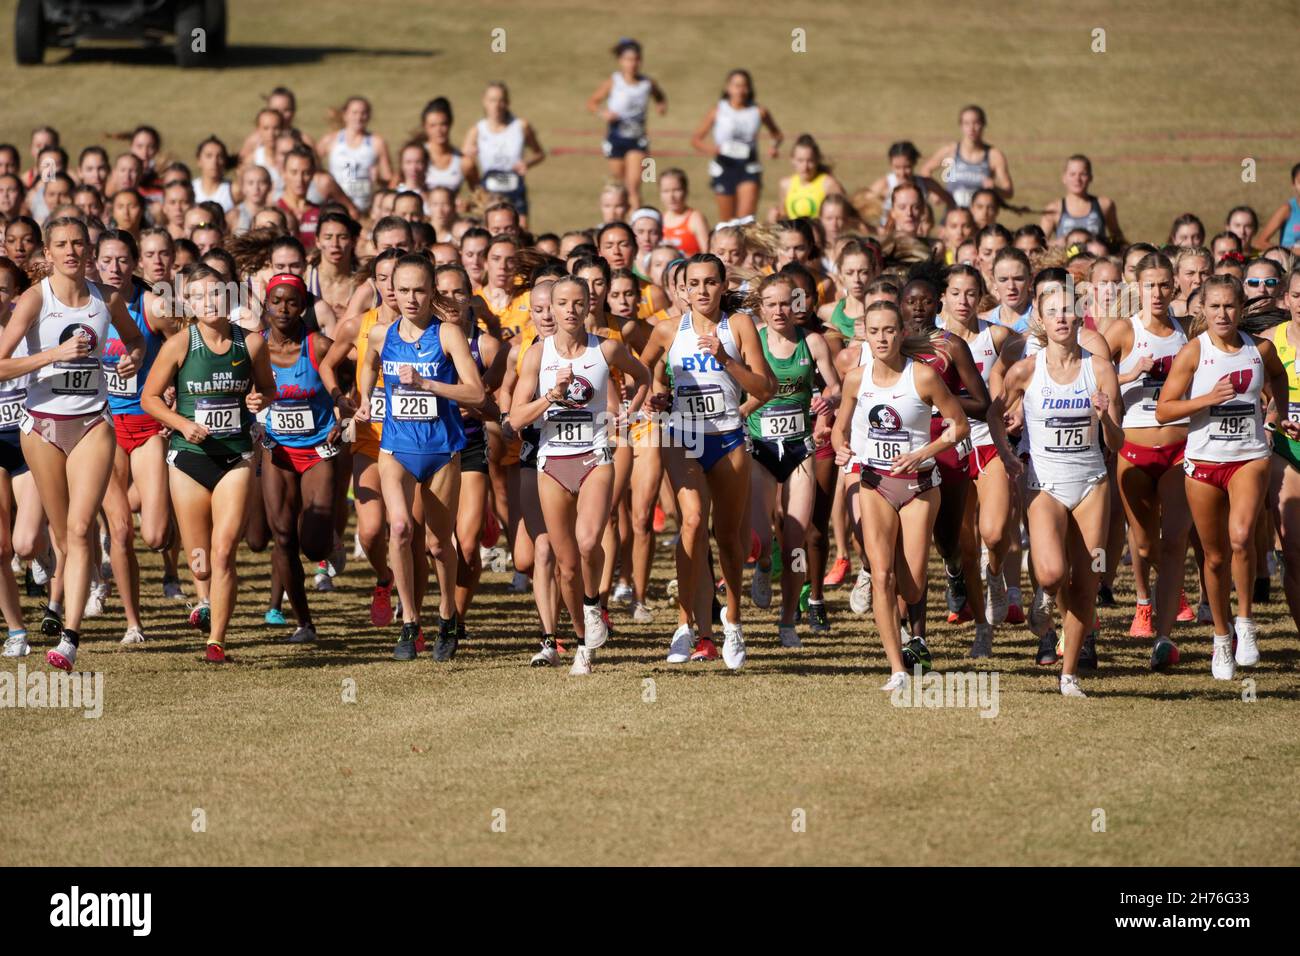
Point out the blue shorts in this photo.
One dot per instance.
(711, 448)
(11, 453)
(727, 174)
(422, 464)
(616, 146)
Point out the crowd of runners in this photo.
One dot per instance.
(345, 349)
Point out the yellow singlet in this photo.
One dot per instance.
(805, 199)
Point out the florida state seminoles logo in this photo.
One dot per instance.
(885, 418)
(80, 329)
(578, 392)
(1241, 379)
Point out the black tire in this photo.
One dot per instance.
(190, 16)
(216, 14)
(29, 32)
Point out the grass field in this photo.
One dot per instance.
(718, 767)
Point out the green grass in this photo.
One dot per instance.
(713, 769)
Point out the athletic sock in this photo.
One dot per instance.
(588, 601)
(18, 632)
(1144, 602)
(1225, 639)
(72, 637)
(56, 607)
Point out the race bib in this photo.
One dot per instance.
(1293, 412)
(1233, 422)
(501, 181)
(378, 405)
(884, 445)
(1068, 435)
(574, 427)
(220, 415)
(292, 418)
(700, 401)
(327, 451)
(735, 149)
(413, 405)
(74, 378)
(782, 421)
(120, 386)
(12, 408)
(964, 448)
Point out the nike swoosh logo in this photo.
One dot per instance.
(240, 362)
(900, 395)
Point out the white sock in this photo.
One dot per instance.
(1225, 639)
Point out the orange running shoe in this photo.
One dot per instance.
(419, 642)
(1185, 612)
(381, 605)
(660, 520)
(964, 615)
(1015, 614)
(755, 548)
(1142, 622)
(216, 654)
(704, 650)
(837, 573)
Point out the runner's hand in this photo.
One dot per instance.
(407, 375)
(345, 407)
(362, 414)
(194, 433)
(72, 348)
(1100, 403)
(911, 462)
(843, 456)
(1223, 391)
(255, 401)
(660, 401)
(126, 366)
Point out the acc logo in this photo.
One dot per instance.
(80, 329)
(578, 393)
(885, 418)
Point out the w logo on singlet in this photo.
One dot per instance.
(1241, 380)
(1159, 369)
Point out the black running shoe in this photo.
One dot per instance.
(405, 649)
(817, 618)
(1263, 587)
(955, 593)
(444, 648)
(1106, 597)
(31, 587)
(916, 652)
(1047, 649)
(52, 622)
(1088, 653)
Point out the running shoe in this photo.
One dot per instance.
(805, 595)
(1070, 686)
(760, 588)
(51, 621)
(1164, 654)
(622, 594)
(642, 614)
(837, 573)
(338, 562)
(860, 596)
(1142, 626)
(420, 644)
(1088, 652)
(1040, 613)
(594, 627)
(133, 635)
(16, 645)
(788, 636)
(1015, 613)
(303, 635)
(1247, 654)
(323, 581)
(1185, 612)
(1047, 655)
(444, 648)
(897, 681)
(1263, 591)
(1106, 597)
(659, 520)
(965, 614)
(954, 595)
(995, 599)
(95, 599)
(33, 589)
(670, 588)
(63, 656)
(215, 654)
(1222, 666)
(817, 618)
(916, 652)
(1060, 644)
(548, 656)
(705, 650)
(1203, 614)
(683, 643)
(405, 649)
(520, 583)
(983, 644)
(381, 605)
(755, 547)
(172, 589)
(778, 565)
(581, 662)
(733, 644)
(201, 615)
(275, 617)
(43, 567)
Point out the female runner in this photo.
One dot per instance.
(1284, 487)
(357, 158)
(729, 135)
(1079, 209)
(626, 95)
(684, 227)
(971, 164)
(809, 185)
(500, 149)
(446, 165)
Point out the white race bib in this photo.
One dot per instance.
(292, 418)
(574, 427)
(782, 421)
(735, 149)
(1068, 435)
(119, 386)
(73, 378)
(11, 409)
(220, 415)
(413, 405)
(378, 405)
(700, 401)
(1233, 422)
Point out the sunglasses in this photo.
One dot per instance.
(1267, 283)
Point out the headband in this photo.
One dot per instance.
(289, 279)
(645, 213)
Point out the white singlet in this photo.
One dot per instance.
(889, 420)
(68, 388)
(577, 427)
(1139, 396)
(985, 353)
(351, 167)
(223, 197)
(736, 130)
(450, 176)
(628, 101)
(497, 155)
(1233, 431)
(1062, 425)
(277, 178)
(706, 398)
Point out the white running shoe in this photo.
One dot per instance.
(788, 636)
(995, 600)
(548, 656)
(1222, 666)
(43, 567)
(1247, 642)
(358, 551)
(860, 596)
(64, 657)
(642, 614)
(594, 627)
(95, 600)
(1203, 614)
(303, 635)
(581, 662)
(133, 635)
(1040, 613)
(17, 646)
(733, 644)
(172, 589)
(1070, 686)
(671, 588)
(338, 560)
(760, 587)
(622, 594)
(679, 651)
(16, 565)
(520, 583)
(322, 581)
(897, 681)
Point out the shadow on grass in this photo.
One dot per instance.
(237, 55)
